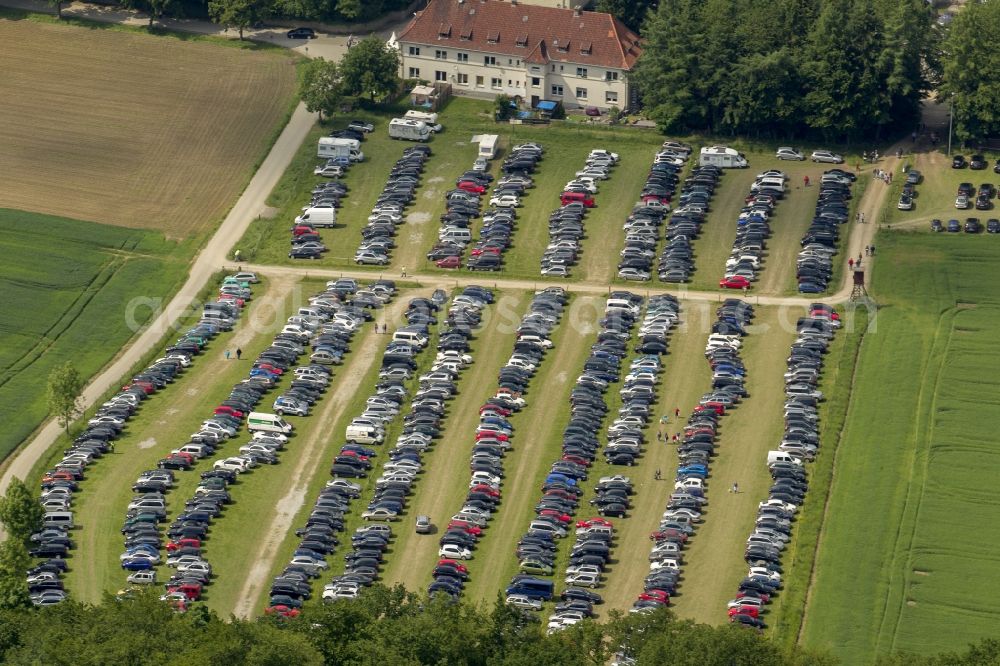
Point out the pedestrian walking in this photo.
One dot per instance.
(864, 156)
(736, 487)
(746, 290)
(675, 438)
(862, 217)
(239, 353)
(873, 250)
(850, 263)
(859, 260)
(890, 178)
(677, 412)
(227, 354)
(656, 474)
(805, 180)
(236, 255)
(659, 435)
(403, 271)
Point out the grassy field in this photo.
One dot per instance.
(132, 129)
(906, 550)
(67, 286)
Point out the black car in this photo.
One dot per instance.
(954, 226)
(304, 253)
(958, 162)
(972, 226)
(977, 162)
(983, 202)
(993, 226)
(301, 33)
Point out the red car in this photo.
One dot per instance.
(471, 186)
(558, 515)
(282, 610)
(495, 409)
(454, 563)
(747, 609)
(711, 407)
(57, 476)
(190, 590)
(483, 488)
(146, 387)
(653, 197)
(576, 459)
(495, 436)
(301, 229)
(230, 298)
(226, 409)
(592, 522)
(186, 542)
(468, 528)
(449, 262)
(273, 369)
(671, 535)
(655, 595)
(481, 250)
(735, 282)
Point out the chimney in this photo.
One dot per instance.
(576, 11)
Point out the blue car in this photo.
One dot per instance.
(137, 564)
(810, 288)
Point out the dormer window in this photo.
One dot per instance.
(493, 37)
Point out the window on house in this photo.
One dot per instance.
(440, 76)
(536, 82)
(611, 76)
(557, 91)
(414, 72)
(463, 57)
(581, 93)
(479, 82)
(489, 60)
(414, 50)
(496, 83)
(441, 55)
(611, 97)
(581, 72)
(463, 79)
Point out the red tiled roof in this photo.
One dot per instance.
(533, 33)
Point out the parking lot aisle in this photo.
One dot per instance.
(713, 565)
(443, 485)
(449, 159)
(537, 442)
(792, 218)
(261, 516)
(162, 423)
(602, 245)
(685, 377)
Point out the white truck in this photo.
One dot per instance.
(723, 157)
(340, 149)
(427, 117)
(409, 129)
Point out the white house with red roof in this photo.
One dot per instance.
(484, 48)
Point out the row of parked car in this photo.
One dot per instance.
(814, 265)
(354, 459)
(642, 226)
(379, 233)
(52, 543)
(566, 222)
(753, 229)
(562, 488)
(684, 510)
(676, 261)
(493, 439)
(799, 444)
(463, 204)
(967, 192)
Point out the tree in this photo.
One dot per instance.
(20, 512)
(14, 564)
(239, 14)
(58, 5)
(320, 87)
(502, 109)
(157, 8)
(350, 9)
(970, 63)
(64, 389)
(630, 12)
(370, 67)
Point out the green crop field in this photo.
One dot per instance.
(907, 550)
(67, 286)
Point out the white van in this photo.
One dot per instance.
(429, 118)
(622, 304)
(455, 234)
(318, 217)
(545, 526)
(781, 456)
(411, 338)
(58, 519)
(364, 434)
(264, 422)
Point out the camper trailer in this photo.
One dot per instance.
(411, 130)
(336, 148)
(488, 146)
(723, 157)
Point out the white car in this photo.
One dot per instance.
(329, 171)
(523, 601)
(505, 201)
(786, 153)
(310, 563)
(600, 152)
(676, 146)
(826, 156)
(454, 552)
(633, 274)
(238, 465)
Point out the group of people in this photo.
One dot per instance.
(884, 176)
(239, 354)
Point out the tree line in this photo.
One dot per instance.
(838, 69)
